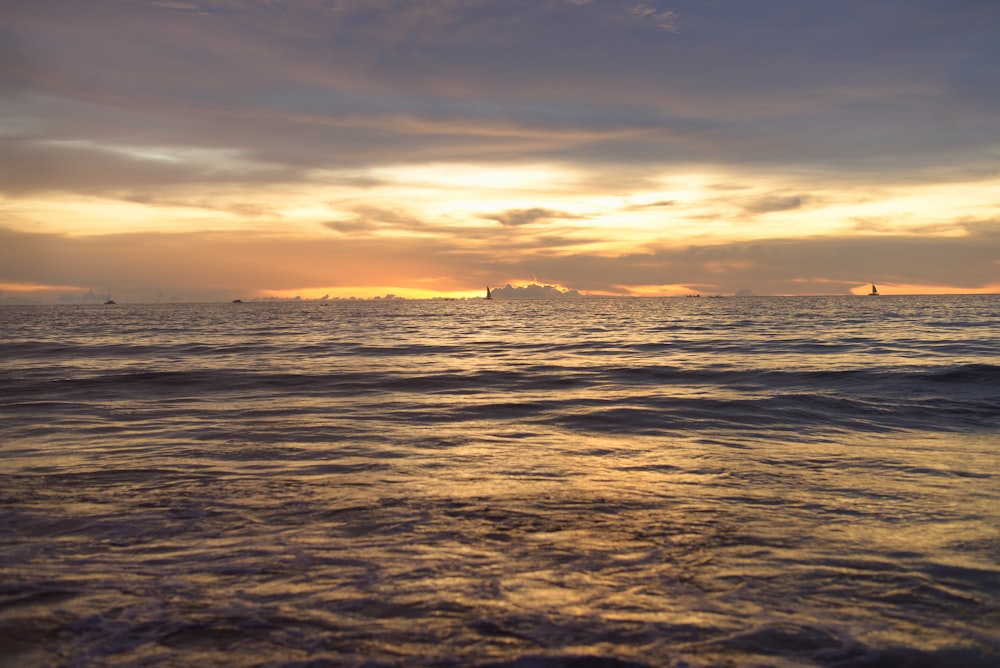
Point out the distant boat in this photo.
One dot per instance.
(489, 294)
(874, 292)
(109, 300)
(237, 301)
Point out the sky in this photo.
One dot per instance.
(221, 149)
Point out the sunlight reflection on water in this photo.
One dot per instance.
(741, 483)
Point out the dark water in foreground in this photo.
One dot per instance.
(677, 482)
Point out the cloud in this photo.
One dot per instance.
(518, 217)
(370, 219)
(533, 291)
(662, 19)
(355, 226)
(772, 203)
(821, 265)
(652, 205)
(30, 166)
(176, 6)
(328, 84)
(208, 265)
(284, 117)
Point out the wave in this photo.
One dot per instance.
(539, 375)
(641, 400)
(614, 483)
(966, 374)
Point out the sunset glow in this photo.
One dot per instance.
(284, 149)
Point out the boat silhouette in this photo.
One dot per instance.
(874, 292)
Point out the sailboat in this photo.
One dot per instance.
(874, 292)
(109, 300)
(489, 295)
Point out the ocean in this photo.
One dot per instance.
(681, 482)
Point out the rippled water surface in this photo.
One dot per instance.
(620, 482)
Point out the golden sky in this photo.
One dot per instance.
(213, 149)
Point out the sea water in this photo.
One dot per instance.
(574, 482)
